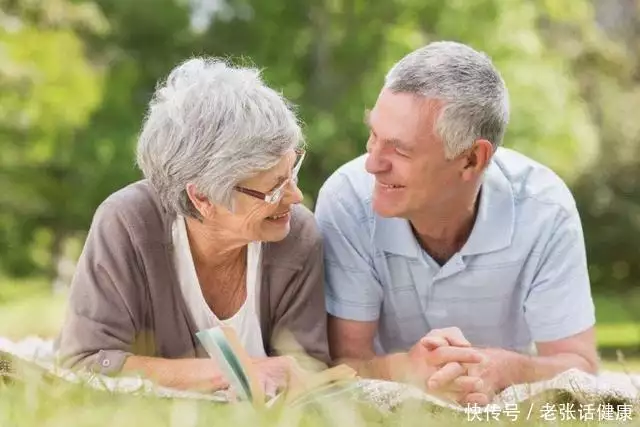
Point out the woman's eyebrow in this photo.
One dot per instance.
(279, 181)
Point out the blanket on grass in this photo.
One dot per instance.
(615, 394)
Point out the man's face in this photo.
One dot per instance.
(407, 157)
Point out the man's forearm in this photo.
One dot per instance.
(186, 374)
(527, 369)
(393, 367)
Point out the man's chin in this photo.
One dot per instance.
(386, 210)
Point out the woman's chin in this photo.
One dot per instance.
(275, 230)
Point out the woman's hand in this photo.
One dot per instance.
(277, 373)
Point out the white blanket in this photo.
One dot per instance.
(386, 395)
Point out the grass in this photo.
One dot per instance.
(39, 402)
(618, 330)
(618, 334)
(618, 320)
(29, 309)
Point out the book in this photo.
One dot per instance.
(223, 345)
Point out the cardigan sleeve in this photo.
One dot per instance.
(103, 313)
(297, 285)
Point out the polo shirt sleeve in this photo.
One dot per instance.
(559, 303)
(352, 289)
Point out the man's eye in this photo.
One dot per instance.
(402, 153)
(369, 142)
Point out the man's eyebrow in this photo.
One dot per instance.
(398, 144)
(393, 141)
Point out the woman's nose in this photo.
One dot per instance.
(293, 194)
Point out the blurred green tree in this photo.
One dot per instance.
(88, 70)
(48, 90)
(608, 193)
(330, 59)
(78, 75)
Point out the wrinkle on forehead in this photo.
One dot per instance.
(405, 116)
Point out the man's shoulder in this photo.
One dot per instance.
(346, 193)
(350, 181)
(533, 182)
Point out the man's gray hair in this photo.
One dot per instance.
(474, 96)
(212, 124)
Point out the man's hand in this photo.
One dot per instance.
(502, 368)
(441, 359)
(277, 373)
(495, 371)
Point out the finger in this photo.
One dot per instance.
(454, 336)
(467, 384)
(480, 399)
(232, 395)
(443, 355)
(443, 376)
(433, 342)
(270, 388)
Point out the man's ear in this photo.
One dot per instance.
(477, 158)
(199, 201)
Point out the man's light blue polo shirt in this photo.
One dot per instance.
(520, 278)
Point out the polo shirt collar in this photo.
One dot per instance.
(492, 231)
(395, 235)
(495, 220)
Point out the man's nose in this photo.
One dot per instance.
(376, 162)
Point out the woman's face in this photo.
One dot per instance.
(255, 219)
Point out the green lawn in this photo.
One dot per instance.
(29, 308)
(618, 330)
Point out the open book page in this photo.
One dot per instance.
(222, 344)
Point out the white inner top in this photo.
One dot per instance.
(246, 321)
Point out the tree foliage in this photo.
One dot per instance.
(76, 76)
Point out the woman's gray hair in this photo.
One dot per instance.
(475, 100)
(212, 124)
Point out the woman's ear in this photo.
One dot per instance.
(199, 201)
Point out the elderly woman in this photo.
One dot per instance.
(213, 235)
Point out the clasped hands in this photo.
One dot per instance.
(444, 363)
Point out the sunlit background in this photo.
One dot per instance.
(76, 76)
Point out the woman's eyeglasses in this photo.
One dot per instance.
(275, 195)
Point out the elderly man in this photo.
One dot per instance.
(436, 231)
